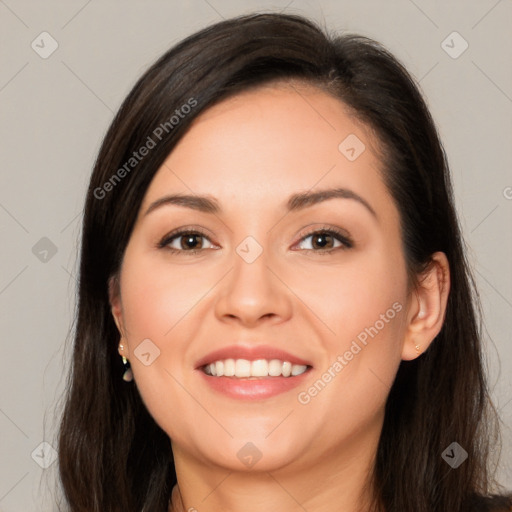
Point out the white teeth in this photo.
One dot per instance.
(229, 367)
(259, 368)
(242, 368)
(297, 369)
(274, 368)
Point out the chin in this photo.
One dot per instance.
(249, 454)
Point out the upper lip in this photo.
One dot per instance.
(251, 353)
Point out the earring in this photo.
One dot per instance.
(128, 374)
(417, 348)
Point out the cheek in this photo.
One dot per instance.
(367, 288)
(158, 305)
(363, 306)
(364, 309)
(156, 298)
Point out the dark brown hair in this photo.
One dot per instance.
(112, 454)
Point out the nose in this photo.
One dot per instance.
(254, 292)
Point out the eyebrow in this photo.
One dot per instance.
(296, 202)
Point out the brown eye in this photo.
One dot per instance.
(189, 241)
(326, 240)
(184, 241)
(323, 241)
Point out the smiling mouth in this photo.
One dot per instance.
(257, 369)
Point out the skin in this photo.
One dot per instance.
(251, 152)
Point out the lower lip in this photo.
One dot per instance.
(253, 389)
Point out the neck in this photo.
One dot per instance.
(176, 504)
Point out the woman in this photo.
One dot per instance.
(275, 309)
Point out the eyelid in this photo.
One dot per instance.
(341, 235)
(176, 233)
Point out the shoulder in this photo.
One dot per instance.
(494, 503)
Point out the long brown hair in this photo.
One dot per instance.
(112, 454)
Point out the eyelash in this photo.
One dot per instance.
(346, 242)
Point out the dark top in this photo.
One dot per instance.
(492, 504)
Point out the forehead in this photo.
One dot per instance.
(262, 145)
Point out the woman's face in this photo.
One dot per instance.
(282, 280)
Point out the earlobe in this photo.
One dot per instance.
(428, 307)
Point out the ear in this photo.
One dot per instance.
(114, 296)
(427, 307)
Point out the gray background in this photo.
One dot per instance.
(54, 112)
